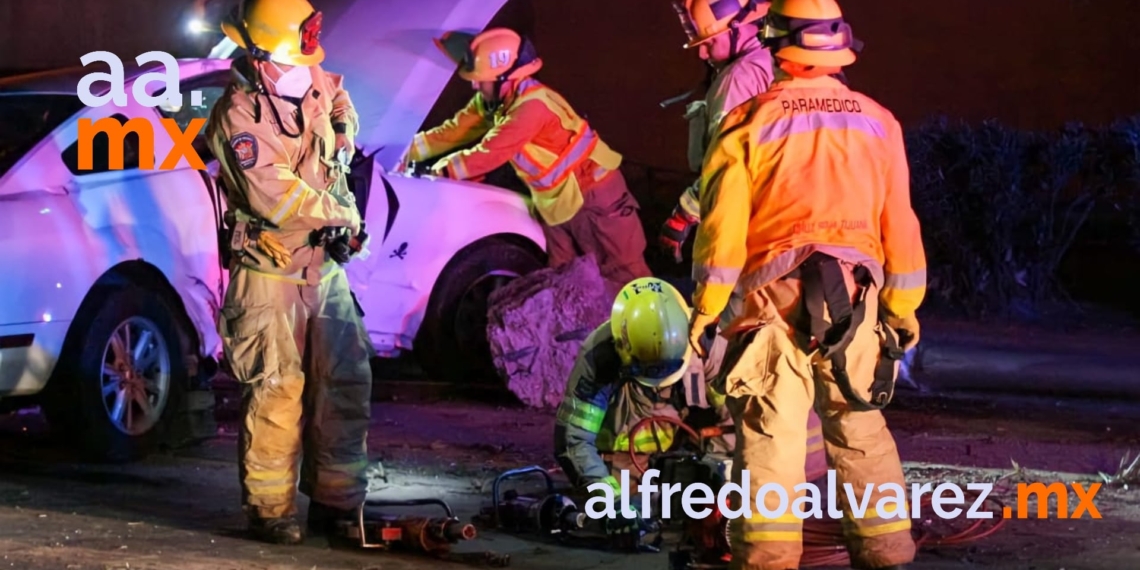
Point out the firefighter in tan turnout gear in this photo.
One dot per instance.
(811, 256)
(291, 331)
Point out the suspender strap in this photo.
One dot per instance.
(825, 287)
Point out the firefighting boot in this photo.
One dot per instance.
(323, 519)
(284, 530)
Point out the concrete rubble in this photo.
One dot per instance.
(536, 324)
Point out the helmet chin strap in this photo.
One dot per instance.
(496, 101)
(525, 56)
(734, 28)
(261, 57)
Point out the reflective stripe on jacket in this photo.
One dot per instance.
(600, 407)
(808, 166)
(294, 184)
(553, 150)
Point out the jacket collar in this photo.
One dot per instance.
(785, 81)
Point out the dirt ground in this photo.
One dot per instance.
(179, 510)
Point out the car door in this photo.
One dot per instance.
(165, 218)
(211, 86)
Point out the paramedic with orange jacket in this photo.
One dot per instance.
(811, 256)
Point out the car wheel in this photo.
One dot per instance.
(121, 377)
(452, 344)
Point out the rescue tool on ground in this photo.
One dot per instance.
(433, 536)
(550, 514)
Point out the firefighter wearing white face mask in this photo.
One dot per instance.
(290, 327)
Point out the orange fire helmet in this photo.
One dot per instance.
(809, 32)
(703, 20)
(494, 55)
(285, 31)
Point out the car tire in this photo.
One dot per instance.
(124, 350)
(452, 343)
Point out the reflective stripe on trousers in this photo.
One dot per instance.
(298, 349)
(771, 386)
(785, 528)
(873, 523)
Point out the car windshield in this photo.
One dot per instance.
(25, 119)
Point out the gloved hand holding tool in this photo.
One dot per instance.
(675, 231)
(627, 532)
(345, 150)
(623, 524)
(341, 244)
(440, 170)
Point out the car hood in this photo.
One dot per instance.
(392, 69)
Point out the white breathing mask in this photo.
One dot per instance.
(293, 83)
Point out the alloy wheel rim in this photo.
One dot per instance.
(135, 380)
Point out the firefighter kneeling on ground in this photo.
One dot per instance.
(580, 196)
(289, 324)
(811, 256)
(636, 365)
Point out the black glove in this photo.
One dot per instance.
(634, 525)
(342, 247)
(338, 249)
(675, 231)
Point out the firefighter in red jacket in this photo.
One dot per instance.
(577, 191)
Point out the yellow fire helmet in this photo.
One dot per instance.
(284, 31)
(650, 325)
(810, 32)
(497, 54)
(703, 20)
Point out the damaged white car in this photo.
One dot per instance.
(108, 313)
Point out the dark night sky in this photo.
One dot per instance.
(1030, 63)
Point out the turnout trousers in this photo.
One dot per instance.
(606, 226)
(302, 357)
(772, 385)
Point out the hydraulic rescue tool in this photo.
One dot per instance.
(704, 543)
(552, 515)
(545, 515)
(427, 535)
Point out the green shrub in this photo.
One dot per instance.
(1000, 208)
